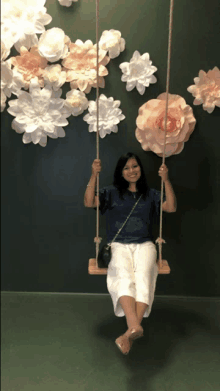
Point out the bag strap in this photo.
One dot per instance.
(125, 220)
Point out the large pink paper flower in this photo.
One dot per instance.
(151, 124)
(80, 66)
(207, 89)
(30, 64)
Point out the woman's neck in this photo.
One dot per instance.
(132, 187)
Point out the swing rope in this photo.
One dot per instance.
(97, 239)
(160, 240)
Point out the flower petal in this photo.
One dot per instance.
(140, 88)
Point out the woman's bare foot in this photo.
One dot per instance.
(134, 332)
(123, 344)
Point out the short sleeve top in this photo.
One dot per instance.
(138, 228)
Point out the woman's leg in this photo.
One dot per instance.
(128, 305)
(140, 309)
(146, 272)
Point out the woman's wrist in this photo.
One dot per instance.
(167, 180)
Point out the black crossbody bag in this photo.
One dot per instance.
(104, 255)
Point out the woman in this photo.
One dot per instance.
(132, 271)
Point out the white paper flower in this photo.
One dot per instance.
(53, 44)
(76, 102)
(138, 72)
(6, 74)
(22, 20)
(112, 42)
(5, 51)
(11, 80)
(27, 41)
(38, 115)
(109, 116)
(54, 76)
(67, 3)
(17, 84)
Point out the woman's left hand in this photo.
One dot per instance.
(163, 172)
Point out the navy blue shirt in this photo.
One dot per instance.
(138, 228)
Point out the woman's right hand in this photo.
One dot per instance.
(96, 167)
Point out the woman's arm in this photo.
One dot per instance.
(170, 205)
(90, 200)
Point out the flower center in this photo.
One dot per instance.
(75, 102)
(172, 123)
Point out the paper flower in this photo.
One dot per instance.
(67, 3)
(207, 89)
(109, 116)
(30, 64)
(112, 42)
(76, 102)
(54, 76)
(80, 66)
(11, 82)
(38, 115)
(5, 51)
(16, 84)
(138, 72)
(22, 20)
(6, 74)
(6, 82)
(151, 124)
(53, 44)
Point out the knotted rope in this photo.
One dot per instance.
(160, 240)
(97, 239)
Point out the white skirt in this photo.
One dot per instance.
(132, 271)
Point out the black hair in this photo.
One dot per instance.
(121, 184)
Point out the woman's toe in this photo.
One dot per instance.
(123, 344)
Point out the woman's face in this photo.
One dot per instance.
(131, 171)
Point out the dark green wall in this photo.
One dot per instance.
(47, 234)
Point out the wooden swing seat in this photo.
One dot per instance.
(93, 269)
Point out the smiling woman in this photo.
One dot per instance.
(132, 271)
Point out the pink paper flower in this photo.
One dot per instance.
(207, 89)
(30, 64)
(80, 66)
(151, 124)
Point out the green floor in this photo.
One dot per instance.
(65, 342)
